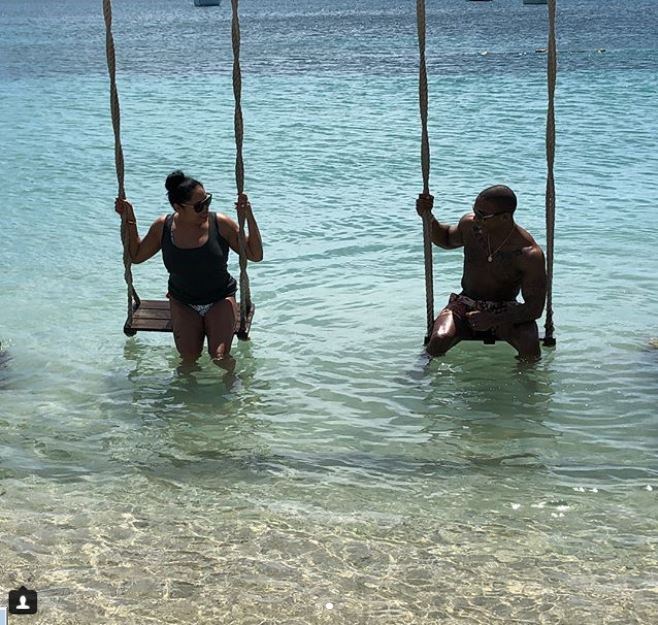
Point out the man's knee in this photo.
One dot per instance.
(526, 340)
(440, 342)
(528, 332)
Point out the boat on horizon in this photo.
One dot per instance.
(535, 1)
(206, 3)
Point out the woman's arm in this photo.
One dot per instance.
(229, 229)
(139, 249)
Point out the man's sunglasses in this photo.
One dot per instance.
(201, 205)
(484, 216)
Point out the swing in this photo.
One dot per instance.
(488, 337)
(154, 315)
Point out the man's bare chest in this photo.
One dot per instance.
(481, 261)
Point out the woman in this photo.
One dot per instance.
(195, 244)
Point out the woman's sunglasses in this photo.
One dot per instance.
(201, 205)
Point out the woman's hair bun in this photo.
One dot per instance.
(180, 187)
(174, 179)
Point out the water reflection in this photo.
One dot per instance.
(484, 384)
(190, 421)
(203, 381)
(481, 406)
(193, 426)
(5, 360)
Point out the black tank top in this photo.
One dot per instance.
(198, 275)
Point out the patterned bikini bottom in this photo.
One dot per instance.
(202, 309)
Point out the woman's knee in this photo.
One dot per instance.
(219, 328)
(189, 347)
(189, 355)
(220, 351)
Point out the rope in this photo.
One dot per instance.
(425, 165)
(118, 154)
(245, 293)
(549, 340)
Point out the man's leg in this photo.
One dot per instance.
(445, 334)
(523, 337)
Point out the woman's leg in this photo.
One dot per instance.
(219, 325)
(188, 330)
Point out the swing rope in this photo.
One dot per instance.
(245, 293)
(133, 298)
(425, 165)
(549, 340)
(118, 155)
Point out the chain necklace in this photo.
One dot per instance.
(492, 254)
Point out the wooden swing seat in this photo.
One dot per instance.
(152, 315)
(488, 337)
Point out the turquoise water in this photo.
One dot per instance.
(339, 468)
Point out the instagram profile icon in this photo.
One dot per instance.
(22, 601)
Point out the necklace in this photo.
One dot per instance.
(492, 254)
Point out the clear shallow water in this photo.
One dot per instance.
(339, 466)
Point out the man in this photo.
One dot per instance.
(501, 259)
